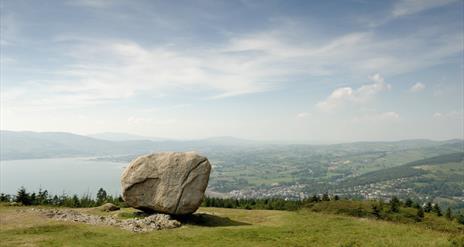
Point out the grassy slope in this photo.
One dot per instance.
(228, 227)
(410, 169)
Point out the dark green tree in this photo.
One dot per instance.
(436, 209)
(336, 198)
(4, 197)
(376, 210)
(428, 207)
(394, 205)
(23, 197)
(449, 214)
(460, 219)
(420, 215)
(325, 197)
(42, 197)
(75, 201)
(101, 196)
(408, 203)
(55, 200)
(33, 199)
(315, 198)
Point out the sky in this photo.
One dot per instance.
(296, 71)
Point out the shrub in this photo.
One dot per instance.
(420, 215)
(394, 205)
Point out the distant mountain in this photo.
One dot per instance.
(225, 141)
(115, 136)
(30, 145)
(394, 145)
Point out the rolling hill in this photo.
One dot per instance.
(30, 145)
(410, 169)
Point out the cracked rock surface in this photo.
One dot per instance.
(172, 183)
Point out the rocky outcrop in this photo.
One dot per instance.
(149, 223)
(172, 183)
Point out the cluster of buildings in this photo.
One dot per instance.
(382, 190)
(287, 192)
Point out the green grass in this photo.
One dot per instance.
(405, 215)
(223, 227)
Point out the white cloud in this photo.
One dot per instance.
(409, 7)
(377, 117)
(417, 87)
(449, 115)
(303, 115)
(133, 120)
(402, 8)
(348, 95)
(99, 71)
(92, 3)
(389, 115)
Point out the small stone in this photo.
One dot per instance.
(107, 207)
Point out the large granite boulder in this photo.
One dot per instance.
(172, 183)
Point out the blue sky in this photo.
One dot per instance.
(298, 71)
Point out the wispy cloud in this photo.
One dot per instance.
(348, 95)
(104, 70)
(92, 3)
(303, 115)
(377, 117)
(10, 28)
(449, 115)
(133, 65)
(409, 7)
(134, 120)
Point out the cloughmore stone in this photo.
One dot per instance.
(172, 183)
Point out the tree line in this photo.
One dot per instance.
(378, 209)
(264, 203)
(23, 197)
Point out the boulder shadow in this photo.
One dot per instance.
(208, 220)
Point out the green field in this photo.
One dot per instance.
(19, 226)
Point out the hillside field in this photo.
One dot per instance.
(21, 226)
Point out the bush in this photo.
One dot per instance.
(376, 211)
(408, 203)
(428, 207)
(460, 219)
(436, 209)
(420, 215)
(394, 205)
(449, 214)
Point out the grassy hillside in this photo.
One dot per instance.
(19, 226)
(438, 179)
(407, 170)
